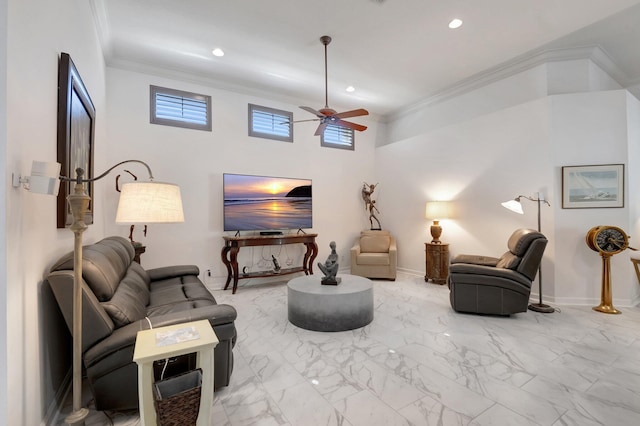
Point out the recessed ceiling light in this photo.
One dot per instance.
(217, 52)
(350, 89)
(455, 23)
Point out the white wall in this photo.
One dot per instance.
(451, 108)
(494, 152)
(35, 344)
(520, 82)
(477, 164)
(633, 174)
(4, 388)
(196, 160)
(589, 128)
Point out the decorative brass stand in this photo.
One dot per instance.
(606, 305)
(607, 240)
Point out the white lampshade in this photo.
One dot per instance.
(45, 178)
(438, 210)
(513, 205)
(149, 202)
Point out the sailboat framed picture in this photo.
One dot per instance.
(592, 187)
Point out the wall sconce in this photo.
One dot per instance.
(516, 206)
(44, 179)
(148, 202)
(438, 210)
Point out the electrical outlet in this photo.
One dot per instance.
(207, 277)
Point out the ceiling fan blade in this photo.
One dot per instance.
(350, 125)
(313, 111)
(320, 129)
(352, 113)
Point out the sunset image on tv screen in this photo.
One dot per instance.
(264, 203)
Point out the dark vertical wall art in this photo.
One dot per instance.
(76, 124)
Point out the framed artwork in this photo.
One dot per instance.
(591, 187)
(76, 124)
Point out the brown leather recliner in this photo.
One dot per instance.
(500, 286)
(121, 298)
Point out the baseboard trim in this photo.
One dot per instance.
(52, 415)
(574, 301)
(411, 272)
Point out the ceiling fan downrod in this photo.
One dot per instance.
(327, 115)
(326, 40)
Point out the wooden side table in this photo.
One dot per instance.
(147, 351)
(437, 262)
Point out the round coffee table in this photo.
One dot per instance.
(341, 307)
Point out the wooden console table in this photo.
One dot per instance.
(232, 246)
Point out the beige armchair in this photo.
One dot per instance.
(375, 255)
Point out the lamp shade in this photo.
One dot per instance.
(513, 205)
(45, 178)
(438, 210)
(150, 202)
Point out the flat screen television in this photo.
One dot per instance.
(261, 203)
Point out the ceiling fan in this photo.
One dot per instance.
(327, 115)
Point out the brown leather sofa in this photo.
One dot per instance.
(121, 298)
(499, 286)
(375, 255)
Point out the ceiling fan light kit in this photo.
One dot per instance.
(327, 115)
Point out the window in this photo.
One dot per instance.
(270, 123)
(338, 137)
(172, 107)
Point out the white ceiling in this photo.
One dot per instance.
(395, 52)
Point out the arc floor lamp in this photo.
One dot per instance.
(516, 206)
(140, 202)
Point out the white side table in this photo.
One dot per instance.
(147, 351)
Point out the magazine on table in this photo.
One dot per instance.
(171, 337)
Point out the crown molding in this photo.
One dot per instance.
(515, 66)
(101, 21)
(600, 57)
(519, 64)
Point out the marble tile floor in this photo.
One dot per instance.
(421, 363)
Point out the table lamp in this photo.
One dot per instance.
(437, 210)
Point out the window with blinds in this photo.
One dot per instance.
(270, 123)
(172, 107)
(338, 137)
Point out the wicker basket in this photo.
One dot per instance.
(177, 399)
